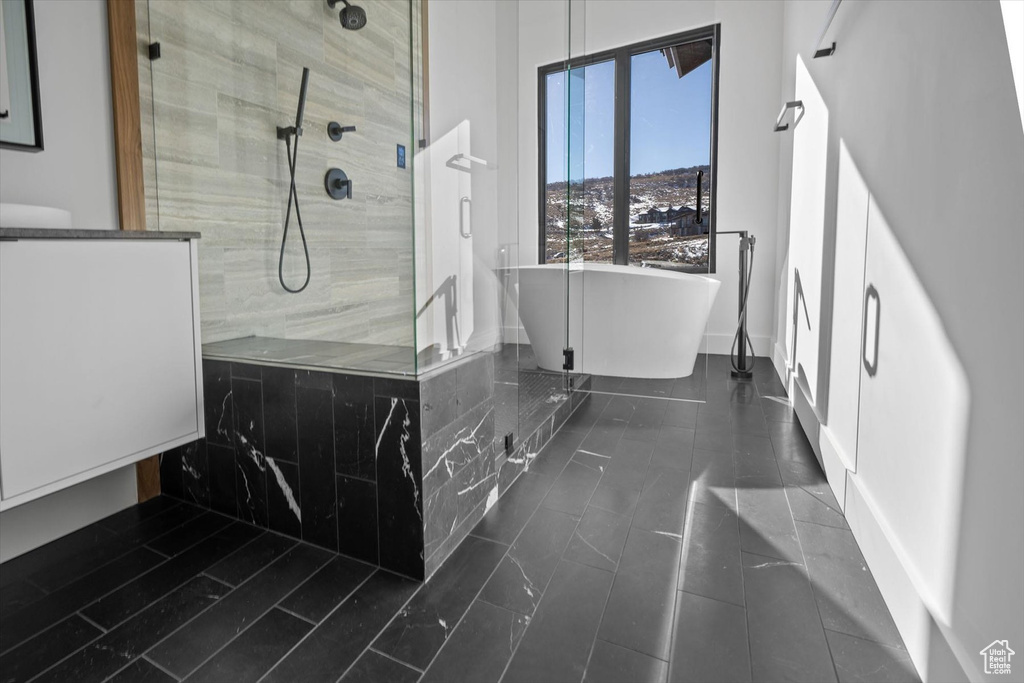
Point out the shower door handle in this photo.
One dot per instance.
(700, 202)
(463, 220)
(872, 366)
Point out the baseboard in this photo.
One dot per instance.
(781, 363)
(806, 418)
(514, 335)
(721, 344)
(37, 522)
(835, 464)
(928, 645)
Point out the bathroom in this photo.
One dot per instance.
(511, 340)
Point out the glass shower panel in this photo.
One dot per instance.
(226, 91)
(467, 253)
(576, 215)
(541, 287)
(641, 216)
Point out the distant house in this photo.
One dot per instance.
(682, 219)
(996, 657)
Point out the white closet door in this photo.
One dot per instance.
(807, 231)
(847, 300)
(914, 402)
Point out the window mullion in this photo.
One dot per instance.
(620, 184)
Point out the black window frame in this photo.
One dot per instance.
(621, 56)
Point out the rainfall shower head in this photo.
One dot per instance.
(352, 17)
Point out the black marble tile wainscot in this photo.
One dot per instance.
(354, 436)
(391, 471)
(316, 464)
(249, 448)
(399, 485)
(298, 452)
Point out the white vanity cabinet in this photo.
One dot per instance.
(100, 355)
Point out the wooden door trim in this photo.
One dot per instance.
(131, 192)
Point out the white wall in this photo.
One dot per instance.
(75, 171)
(749, 81)
(922, 96)
(40, 521)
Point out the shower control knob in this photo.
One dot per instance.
(335, 130)
(337, 184)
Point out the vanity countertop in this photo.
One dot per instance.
(49, 234)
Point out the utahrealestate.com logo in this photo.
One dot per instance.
(997, 657)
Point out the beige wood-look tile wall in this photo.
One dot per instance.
(228, 75)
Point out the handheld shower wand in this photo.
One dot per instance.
(292, 153)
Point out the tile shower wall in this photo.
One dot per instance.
(330, 458)
(228, 75)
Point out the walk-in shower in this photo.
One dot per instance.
(378, 390)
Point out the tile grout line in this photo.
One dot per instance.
(294, 614)
(140, 657)
(382, 630)
(684, 541)
(158, 666)
(529, 618)
(739, 543)
(868, 640)
(373, 570)
(239, 632)
(392, 658)
(326, 617)
(129, 617)
(113, 590)
(562, 556)
(807, 568)
(79, 614)
(615, 574)
(708, 597)
(739, 557)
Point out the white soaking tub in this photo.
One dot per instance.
(623, 321)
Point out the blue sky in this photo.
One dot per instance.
(670, 118)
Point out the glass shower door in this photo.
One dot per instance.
(641, 217)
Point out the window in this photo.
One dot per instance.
(627, 154)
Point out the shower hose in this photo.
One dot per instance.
(292, 155)
(740, 327)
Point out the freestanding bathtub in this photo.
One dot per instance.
(622, 321)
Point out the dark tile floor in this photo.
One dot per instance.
(651, 540)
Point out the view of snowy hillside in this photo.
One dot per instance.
(661, 219)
